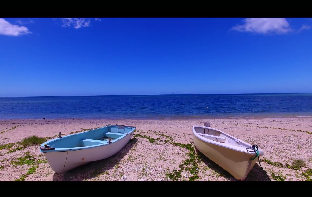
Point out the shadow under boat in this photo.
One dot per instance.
(95, 168)
(256, 173)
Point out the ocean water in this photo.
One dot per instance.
(171, 106)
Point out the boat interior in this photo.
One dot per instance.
(100, 136)
(106, 139)
(217, 136)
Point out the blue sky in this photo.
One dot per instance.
(143, 56)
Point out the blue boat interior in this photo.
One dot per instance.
(88, 139)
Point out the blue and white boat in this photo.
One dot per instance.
(68, 152)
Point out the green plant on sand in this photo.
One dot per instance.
(298, 164)
(33, 140)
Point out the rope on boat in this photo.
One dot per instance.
(255, 149)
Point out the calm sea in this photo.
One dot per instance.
(173, 106)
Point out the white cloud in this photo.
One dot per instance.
(9, 29)
(97, 19)
(303, 27)
(264, 25)
(24, 22)
(75, 22)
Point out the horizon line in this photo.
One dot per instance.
(148, 94)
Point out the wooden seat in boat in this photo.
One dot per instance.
(214, 138)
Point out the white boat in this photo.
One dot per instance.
(233, 155)
(68, 152)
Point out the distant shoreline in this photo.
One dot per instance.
(157, 95)
(257, 116)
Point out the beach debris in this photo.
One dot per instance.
(124, 178)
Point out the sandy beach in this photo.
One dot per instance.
(147, 158)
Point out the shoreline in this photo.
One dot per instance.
(282, 139)
(257, 116)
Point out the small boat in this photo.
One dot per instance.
(233, 155)
(67, 152)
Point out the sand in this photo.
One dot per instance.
(282, 139)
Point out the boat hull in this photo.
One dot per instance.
(73, 159)
(64, 159)
(233, 155)
(238, 164)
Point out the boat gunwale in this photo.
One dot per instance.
(226, 145)
(85, 147)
